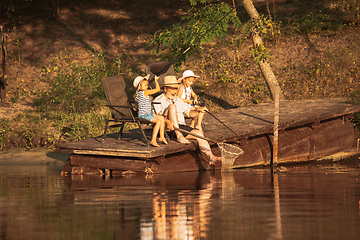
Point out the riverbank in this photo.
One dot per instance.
(42, 157)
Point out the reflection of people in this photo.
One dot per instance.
(174, 109)
(181, 216)
(187, 94)
(142, 97)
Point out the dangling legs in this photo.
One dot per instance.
(196, 116)
(162, 129)
(193, 121)
(157, 126)
(172, 116)
(199, 119)
(204, 147)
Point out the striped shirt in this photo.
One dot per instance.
(144, 103)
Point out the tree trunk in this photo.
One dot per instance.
(56, 7)
(265, 68)
(3, 82)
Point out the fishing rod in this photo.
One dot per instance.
(197, 40)
(220, 122)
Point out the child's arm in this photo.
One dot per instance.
(180, 92)
(194, 96)
(153, 91)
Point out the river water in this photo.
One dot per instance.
(310, 201)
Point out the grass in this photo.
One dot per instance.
(72, 108)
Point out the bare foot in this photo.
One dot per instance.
(199, 128)
(163, 140)
(183, 140)
(213, 159)
(154, 143)
(169, 125)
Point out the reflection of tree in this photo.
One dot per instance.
(278, 229)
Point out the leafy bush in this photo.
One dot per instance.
(75, 88)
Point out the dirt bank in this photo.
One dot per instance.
(34, 157)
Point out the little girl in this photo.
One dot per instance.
(186, 93)
(142, 97)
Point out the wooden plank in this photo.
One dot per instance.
(181, 162)
(114, 147)
(108, 162)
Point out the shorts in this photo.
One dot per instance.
(148, 116)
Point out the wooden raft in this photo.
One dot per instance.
(246, 122)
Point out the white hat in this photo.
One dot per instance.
(139, 79)
(188, 73)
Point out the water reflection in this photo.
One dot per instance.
(305, 202)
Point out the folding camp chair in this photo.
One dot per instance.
(120, 108)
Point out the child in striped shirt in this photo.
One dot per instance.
(142, 97)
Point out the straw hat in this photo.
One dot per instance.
(187, 73)
(170, 81)
(139, 79)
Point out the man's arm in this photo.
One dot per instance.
(158, 105)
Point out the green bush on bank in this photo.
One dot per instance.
(75, 88)
(71, 109)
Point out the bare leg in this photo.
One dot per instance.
(162, 128)
(157, 122)
(204, 147)
(193, 121)
(169, 125)
(196, 116)
(199, 117)
(172, 115)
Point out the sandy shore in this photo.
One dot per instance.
(34, 157)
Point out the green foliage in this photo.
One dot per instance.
(25, 131)
(259, 53)
(174, 41)
(254, 88)
(4, 128)
(267, 26)
(77, 89)
(77, 126)
(72, 107)
(315, 23)
(195, 2)
(347, 10)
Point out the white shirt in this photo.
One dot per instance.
(181, 108)
(186, 94)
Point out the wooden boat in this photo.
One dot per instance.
(309, 130)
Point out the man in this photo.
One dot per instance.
(174, 109)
